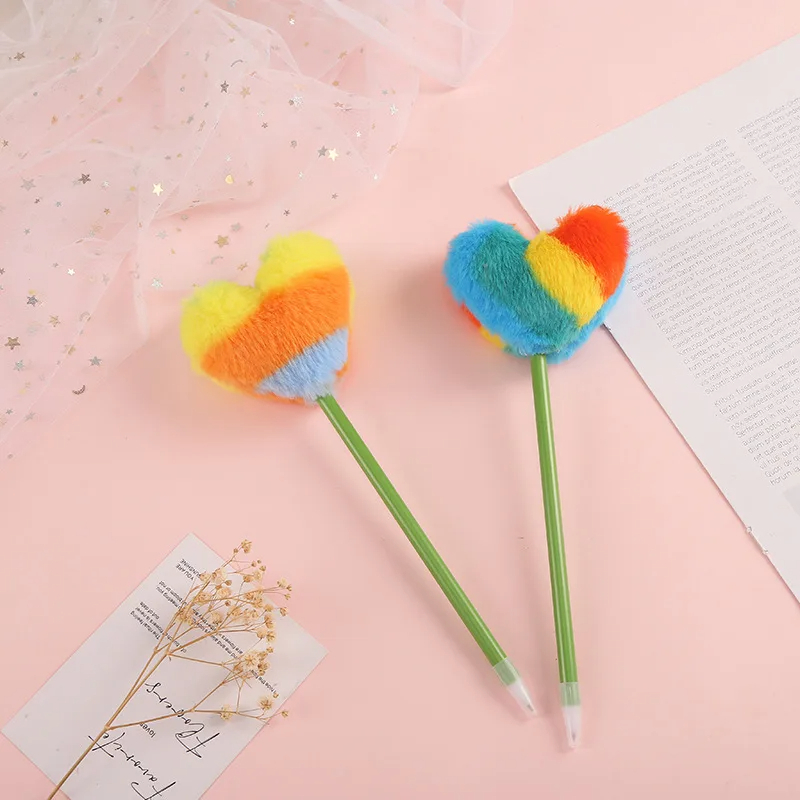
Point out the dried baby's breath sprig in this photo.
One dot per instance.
(233, 599)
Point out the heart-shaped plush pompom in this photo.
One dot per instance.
(287, 337)
(544, 295)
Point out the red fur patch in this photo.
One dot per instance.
(600, 238)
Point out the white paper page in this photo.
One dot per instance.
(709, 186)
(173, 759)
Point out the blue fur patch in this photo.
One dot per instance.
(487, 272)
(313, 373)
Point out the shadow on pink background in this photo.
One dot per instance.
(688, 642)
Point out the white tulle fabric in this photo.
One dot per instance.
(128, 127)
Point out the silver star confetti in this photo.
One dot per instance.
(95, 361)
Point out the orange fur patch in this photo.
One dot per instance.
(598, 236)
(290, 319)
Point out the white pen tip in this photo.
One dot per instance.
(572, 722)
(520, 694)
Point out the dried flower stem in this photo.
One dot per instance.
(211, 608)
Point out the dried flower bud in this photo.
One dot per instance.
(246, 545)
(226, 712)
(284, 714)
(265, 703)
(250, 659)
(284, 612)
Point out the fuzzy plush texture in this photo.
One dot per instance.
(286, 337)
(544, 295)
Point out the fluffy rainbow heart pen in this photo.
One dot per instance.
(540, 299)
(287, 338)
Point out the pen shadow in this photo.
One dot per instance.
(450, 351)
(531, 560)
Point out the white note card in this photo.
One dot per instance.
(171, 759)
(709, 186)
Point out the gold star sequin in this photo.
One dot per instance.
(55, 321)
(12, 342)
(157, 189)
(332, 154)
(221, 241)
(245, 91)
(19, 56)
(76, 58)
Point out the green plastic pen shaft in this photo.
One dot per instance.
(421, 543)
(565, 641)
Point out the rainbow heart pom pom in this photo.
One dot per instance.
(287, 336)
(544, 295)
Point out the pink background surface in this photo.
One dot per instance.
(688, 642)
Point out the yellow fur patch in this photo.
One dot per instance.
(492, 337)
(565, 276)
(290, 256)
(212, 314)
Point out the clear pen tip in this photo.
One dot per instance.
(520, 693)
(572, 723)
(512, 680)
